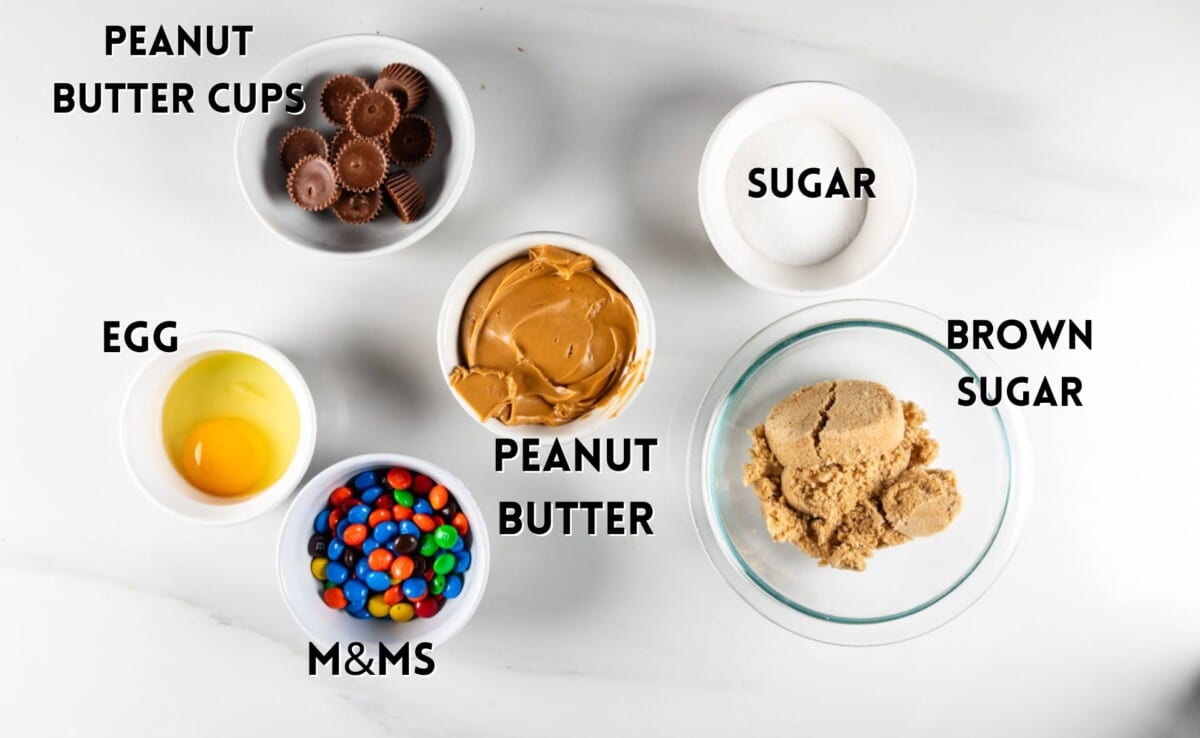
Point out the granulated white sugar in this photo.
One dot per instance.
(795, 230)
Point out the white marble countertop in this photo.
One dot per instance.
(1057, 155)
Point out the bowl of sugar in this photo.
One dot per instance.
(806, 187)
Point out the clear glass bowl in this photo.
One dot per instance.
(906, 590)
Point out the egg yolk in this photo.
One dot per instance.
(224, 456)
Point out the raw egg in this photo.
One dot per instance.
(230, 424)
(224, 456)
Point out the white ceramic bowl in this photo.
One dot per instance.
(880, 145)
(146, 456)
(609, 264)
(301, 592)
(443, 177)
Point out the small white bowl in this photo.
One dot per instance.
(880, 145)
(443, 177)
(146, 455)
(302, 594)
(607, 263)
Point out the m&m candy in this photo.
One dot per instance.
(445, 536)
(454, 585)
(334, 598)
(355, 591)
(334, 572)
(426, 608)
(390, 544)
(365, 480)
(355, 534)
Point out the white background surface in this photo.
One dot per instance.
(1056, 153)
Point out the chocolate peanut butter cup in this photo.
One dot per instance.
(406, 84)
(393, 88)
(340, 139)
(373, 114)
(406, 195)
(312, 184)
(337, 94)
(356, 208)
(361, 165)
(299, 143)
(412, 142)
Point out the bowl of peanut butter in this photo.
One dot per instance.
(545, 334)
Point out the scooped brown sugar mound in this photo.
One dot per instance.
(841, 470)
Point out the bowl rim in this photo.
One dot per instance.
(911, 623)
(450, 195)
(727, 251)
(192, 348)
(320, 485)
(491, 257)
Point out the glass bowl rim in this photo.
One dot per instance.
(753, 355)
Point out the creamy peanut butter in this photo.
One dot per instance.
(545, 338)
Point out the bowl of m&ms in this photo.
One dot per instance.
(383, 548)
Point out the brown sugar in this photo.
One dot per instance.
(922, 501)
(840, 470)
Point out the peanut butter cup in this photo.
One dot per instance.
(406, 84)
(412, 142)
(377, 131)
(337, 94)
(340, 139)
(299, 143)
(361, 165)
(357, 208)
(312, 183)
(393, 88)
(373, 114)
(406, 195)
